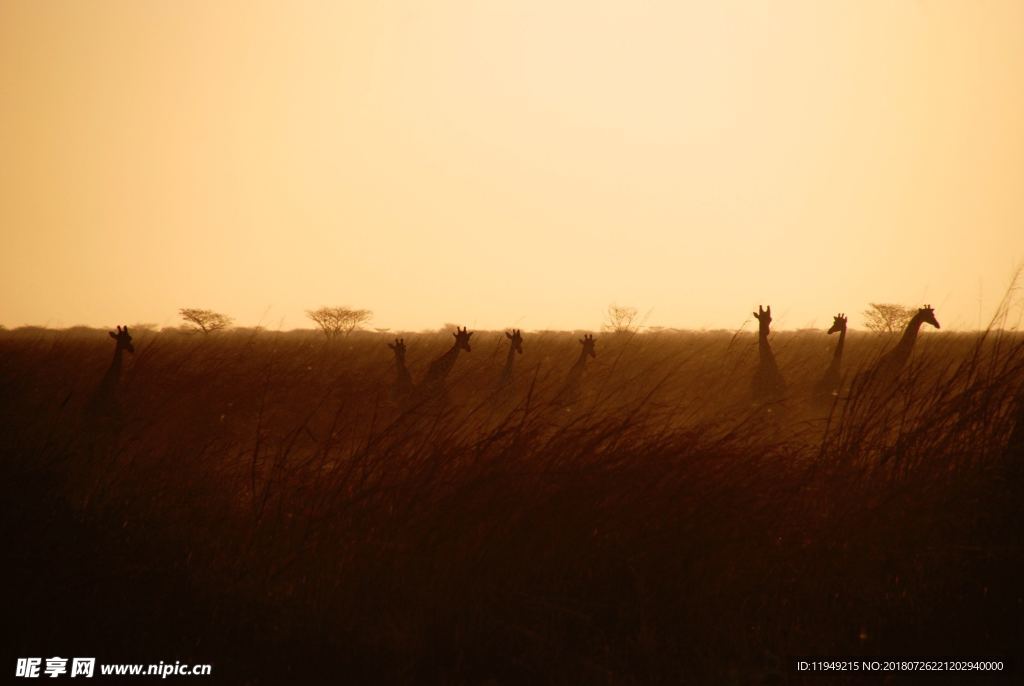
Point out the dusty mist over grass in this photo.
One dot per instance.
(259, 502)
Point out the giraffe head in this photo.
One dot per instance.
(399, 348)
(462, 338)
(838, 324)
(516, 337)
(927, 315)
(123, 338)
(764, 318)
(588, 344)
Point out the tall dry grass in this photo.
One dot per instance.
(259, 501)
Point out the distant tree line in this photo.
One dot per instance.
(341, 321)
(333, 321)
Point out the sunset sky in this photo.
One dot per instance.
(508, 163)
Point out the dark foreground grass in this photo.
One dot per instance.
(259, 502)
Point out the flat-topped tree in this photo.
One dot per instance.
(335, 321)
(205, 321)
(887, 317)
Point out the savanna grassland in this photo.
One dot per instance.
(260, 501)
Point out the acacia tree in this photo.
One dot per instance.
(887, 317)
(620, 319)
(338, 320)
(206, 321)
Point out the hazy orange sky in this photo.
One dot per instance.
(508, 163)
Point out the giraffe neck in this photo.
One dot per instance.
(581, 364)
(909, 337)
(764, 349)
(404, 378)
(574, 382)
(113, 374)
(440, 367)
(506, 373)
(107, 391)
(894, 360)
(837, 356)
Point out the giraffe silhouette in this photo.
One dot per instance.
(105, 400)
(892, 362)
(433, 382)
(828, 384)
(515, 347)
(403, 386)
(768, 384)
(572, 389)
(100, 425)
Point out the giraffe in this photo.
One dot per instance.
(893, 361)
(439, 369)
(101, 425)
(515, 338)
(828, 385)
(104, 400)
(403, 386)
(768, 384)
(102, 419)
(573, 386)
